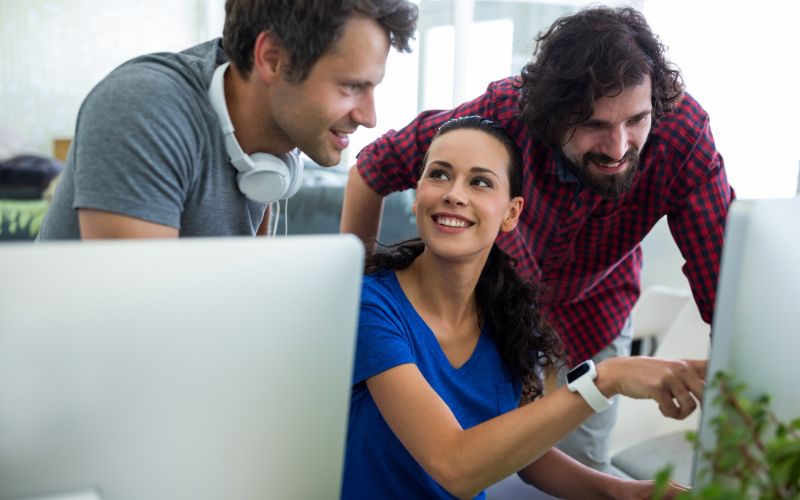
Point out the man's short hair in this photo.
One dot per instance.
(597, 52)
(306, 29)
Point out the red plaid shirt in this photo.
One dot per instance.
(583, 249)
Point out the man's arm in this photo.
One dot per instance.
(99, 224)
(361, 209)
(701, 198)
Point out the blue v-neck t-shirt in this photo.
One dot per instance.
(392, 333)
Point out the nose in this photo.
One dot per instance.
(455, 195)
(615, 144)
(364, 112)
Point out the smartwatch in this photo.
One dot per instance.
(581, 380)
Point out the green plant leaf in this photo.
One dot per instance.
(755, 455)
(662, 482)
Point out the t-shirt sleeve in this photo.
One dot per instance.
(381, 342)
(136, 142)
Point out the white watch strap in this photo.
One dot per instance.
(587, 388)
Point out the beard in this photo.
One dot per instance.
(608, 186)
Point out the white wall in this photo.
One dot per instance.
(741, 60)
(395, 101)
(52, 52)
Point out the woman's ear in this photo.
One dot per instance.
(512, 214)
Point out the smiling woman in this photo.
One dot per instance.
(447, 390)
(465, 191)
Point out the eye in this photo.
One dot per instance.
(439, 174)
(636, 120)
(353, 88)
(591, 125)
(482, 182)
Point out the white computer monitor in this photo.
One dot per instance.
(756, 326)
(184, 369)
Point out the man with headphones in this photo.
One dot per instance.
(197, 143)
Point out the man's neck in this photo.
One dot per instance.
(247, 102)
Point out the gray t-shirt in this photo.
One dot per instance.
(149, 145)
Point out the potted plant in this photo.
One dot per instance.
(755, 454)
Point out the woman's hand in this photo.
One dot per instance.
(630, 489)
(677, 385)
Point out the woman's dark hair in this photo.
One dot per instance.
(597, 52)
(308, 28)
(475, 122)
(506, 303)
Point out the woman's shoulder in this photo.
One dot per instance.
(382, 294)
(379, 286)
(380, 280)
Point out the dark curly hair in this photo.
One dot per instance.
(595, 53)
(308, 28)
(506, 303)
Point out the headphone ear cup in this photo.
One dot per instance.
(295, 166)
(266, 181)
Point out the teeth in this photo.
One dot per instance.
(450, 222)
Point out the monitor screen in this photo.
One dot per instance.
(181, 369)
(755, 333)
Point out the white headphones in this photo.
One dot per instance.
(262, 178)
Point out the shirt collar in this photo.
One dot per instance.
(565, 175)
(220, 56)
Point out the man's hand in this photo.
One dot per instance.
(677, 385)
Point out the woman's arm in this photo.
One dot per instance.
(564, 477)
(557, 474)
(464, 462)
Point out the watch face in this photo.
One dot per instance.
(577, 372)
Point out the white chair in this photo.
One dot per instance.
(655, 311)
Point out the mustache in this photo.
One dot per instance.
(631, 155)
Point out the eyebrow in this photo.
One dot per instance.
(634, 117)
(475, 170)
(358, 83)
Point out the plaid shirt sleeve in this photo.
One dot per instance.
(701, 198)
(391, 163)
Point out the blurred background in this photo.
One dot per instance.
(741, 60)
